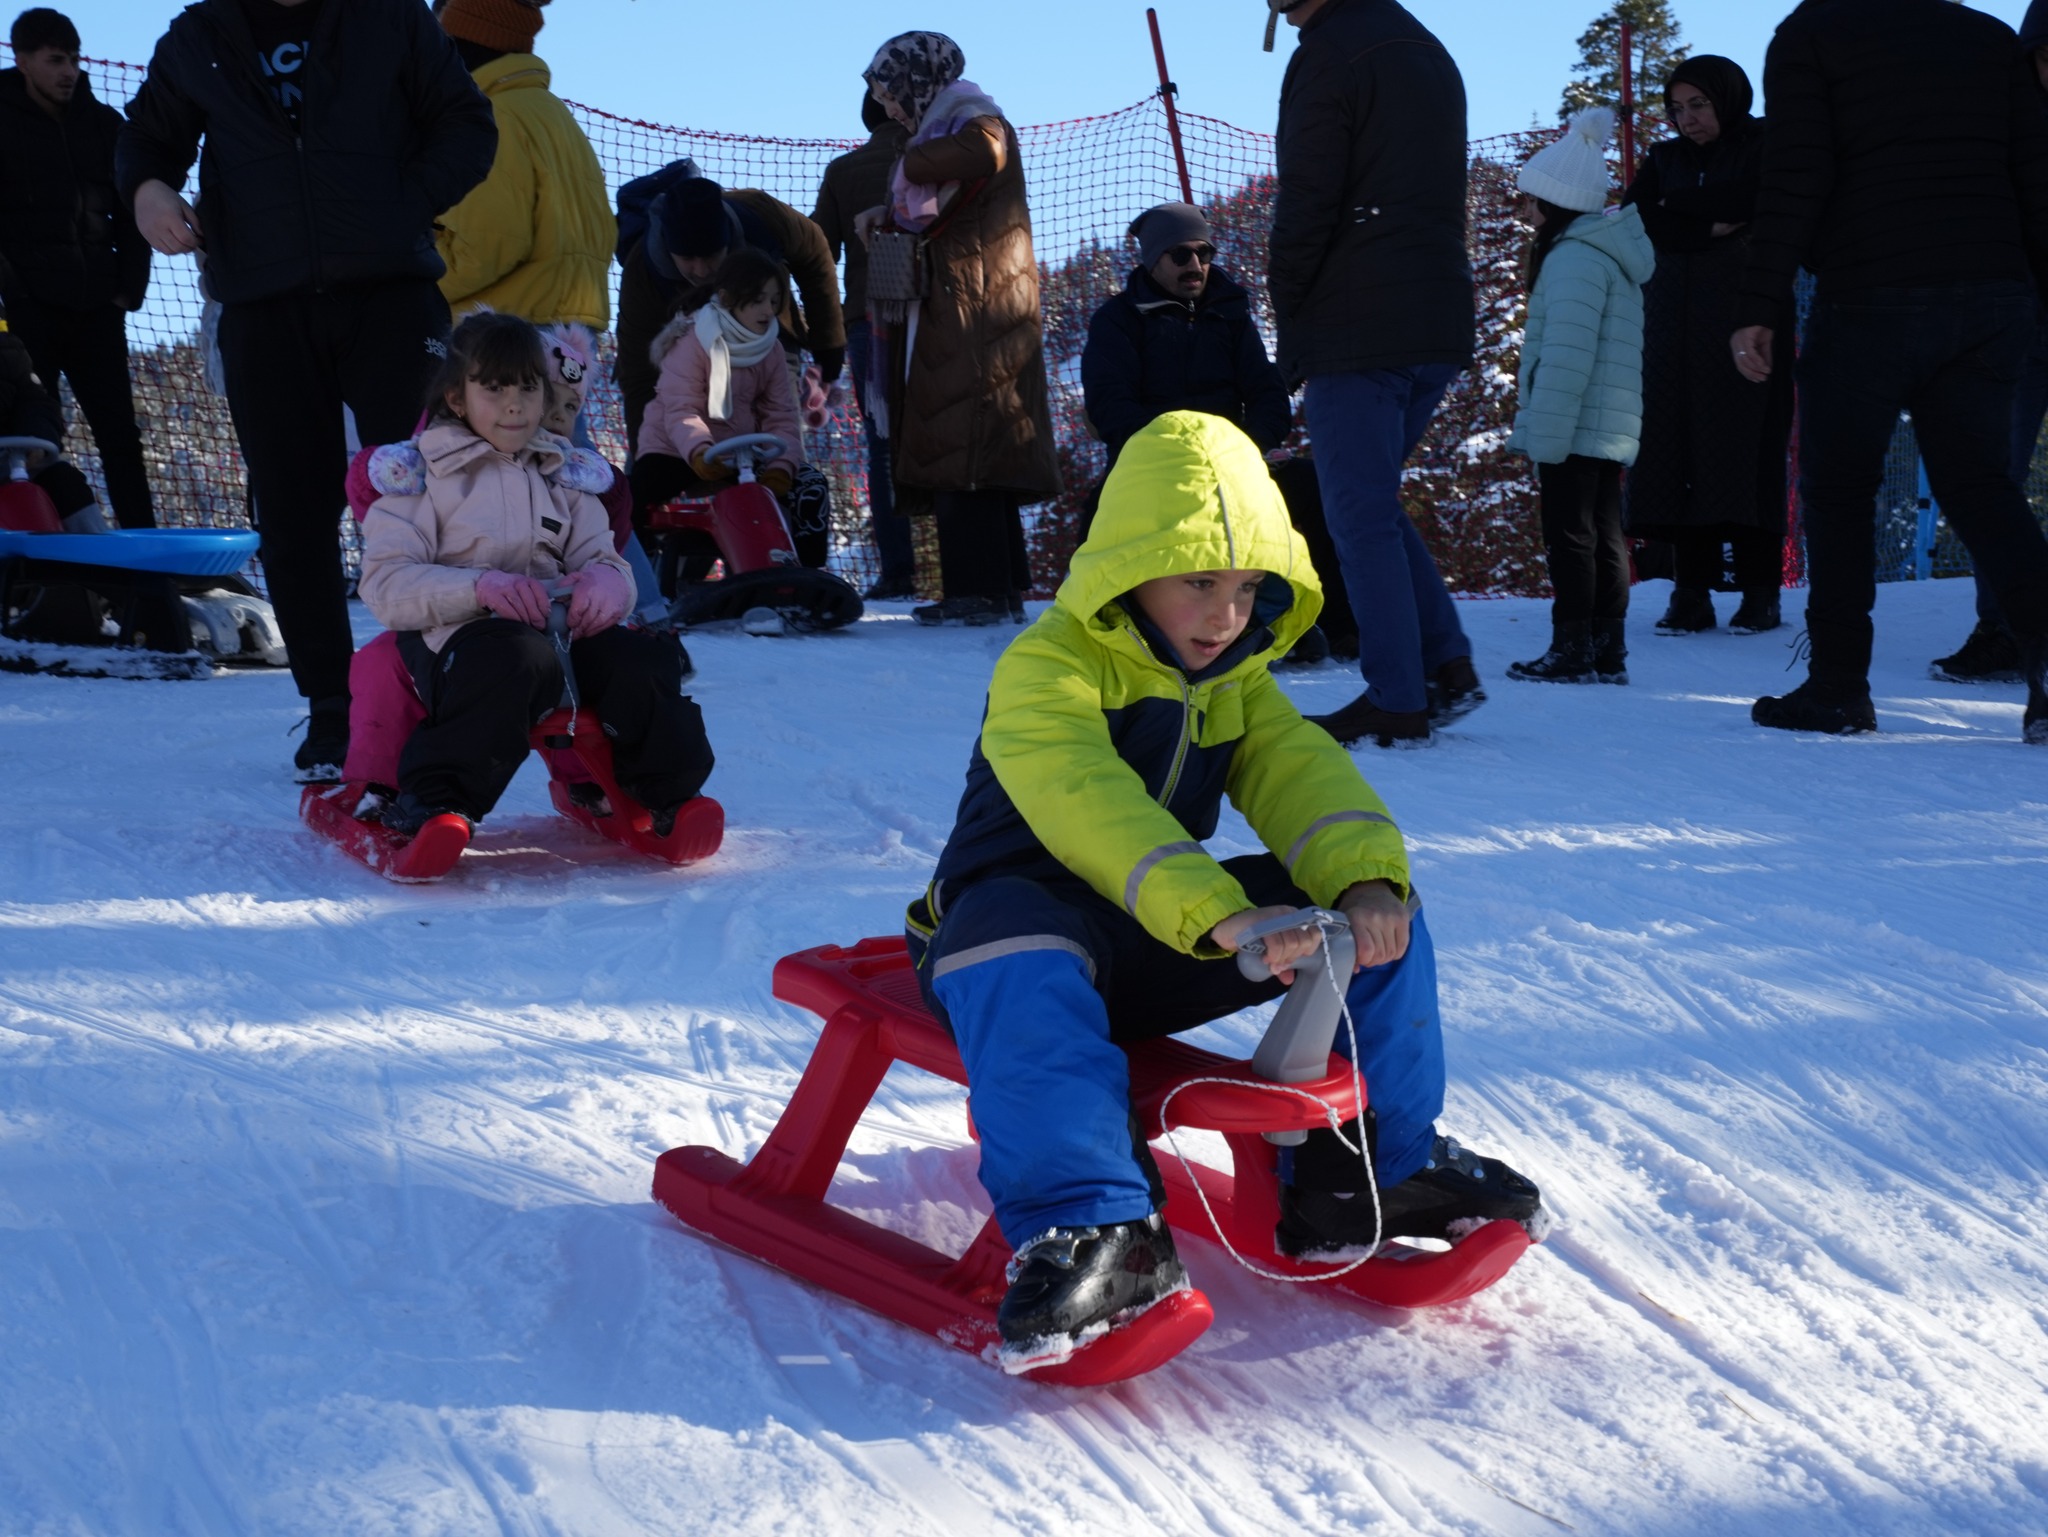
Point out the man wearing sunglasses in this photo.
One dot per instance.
(1181, 337)
(1372, 290)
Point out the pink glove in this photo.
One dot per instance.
(600, 596)
(518, 598)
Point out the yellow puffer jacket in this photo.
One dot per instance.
(534, 238)
(1101, 758)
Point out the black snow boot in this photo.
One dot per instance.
(1068, 1279)
(1454, 1193)
(1610, 651)
(408, 814)
(1361, 720)
(1757, 613)
(1454, 691)
(1690, 612)
(2034, 726)
(1836, 709)
(1569, 659)
(965, 610)
(1988, 656)
(320, 757)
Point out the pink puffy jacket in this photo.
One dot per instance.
(679, 422)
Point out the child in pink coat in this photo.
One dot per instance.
(480, 522)
(724, 373)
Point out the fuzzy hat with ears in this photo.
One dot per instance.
(1572, 171)
(572, 352)
(506, 25)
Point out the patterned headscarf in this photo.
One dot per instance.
(914, 67)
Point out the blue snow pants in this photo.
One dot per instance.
(1040, 981)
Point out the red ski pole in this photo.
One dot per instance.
(1628, 105)
(1167, 91)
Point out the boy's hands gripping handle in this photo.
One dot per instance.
(1269, 940)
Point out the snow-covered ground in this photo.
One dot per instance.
(324, 1202)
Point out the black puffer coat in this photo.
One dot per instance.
(1713, 444)
(67, 239)
(1368, 266)
(392, 133)
(1149, 353)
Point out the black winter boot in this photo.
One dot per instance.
(2034, 725)
(1068, 1279)
(1362, 719)
(1691, 611)
(1758, 613)
(1837, 710)
(1610, 651)
(1988, 656)
(1454, 691)
(320, 757)
(1456, 1192)
(1569, 659)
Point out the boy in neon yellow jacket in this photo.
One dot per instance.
(1075, 907)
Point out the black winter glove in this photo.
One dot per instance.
(829, 360)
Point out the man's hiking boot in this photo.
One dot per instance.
(1569, 659)
(1817, 707)
(1690, 612)
(1454, 691)
(1988, 656)
(1759, 611)
(1362, 720)
(320, 757)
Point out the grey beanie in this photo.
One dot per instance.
(1159, 230)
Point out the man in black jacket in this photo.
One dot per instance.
(72, 264)
(335, 131)
(1907, 169)
(1372, 290)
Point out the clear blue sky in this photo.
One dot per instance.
(792, 67)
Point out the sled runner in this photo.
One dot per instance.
(129, 603)
(581, 785)
(774, 1209)
(753, 539)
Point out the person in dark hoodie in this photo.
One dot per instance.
(1989, 654)
(855, 182)
(1907, 169)
(1181, 337)
(335, 132)
(72, 264)
(1711, 470)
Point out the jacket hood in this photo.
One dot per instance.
(1190, 492)
(2034, 25)
(512, 72)
(1725, 85)
(1619, 234)
(14, 91)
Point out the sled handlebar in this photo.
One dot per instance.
(17, 450)
(1251, 945)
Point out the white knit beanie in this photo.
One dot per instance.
(1572, 172)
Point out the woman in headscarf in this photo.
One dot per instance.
(965, 387)
(1711, 471)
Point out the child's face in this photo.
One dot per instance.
(1200, 612)
(506, 416)
(565, 406)
(759, 310)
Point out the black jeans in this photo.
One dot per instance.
(1950, 355)
(1582, 537)
(495, 678)
(892, 533)
(981, 544)
(292, 363)
(90, 348)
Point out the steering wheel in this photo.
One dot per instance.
(763, 446)
(17, 450)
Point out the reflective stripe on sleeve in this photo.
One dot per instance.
(1144, 868)
(1301, 843)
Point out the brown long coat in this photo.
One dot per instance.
(972, 415)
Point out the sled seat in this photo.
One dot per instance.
(773, 1207)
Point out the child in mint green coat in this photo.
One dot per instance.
(1580, 411)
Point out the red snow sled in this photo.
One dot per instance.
(582, 786)
(774, 1207)
(745, 522)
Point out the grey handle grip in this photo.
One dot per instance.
(1296, 1045)
(1251, 945)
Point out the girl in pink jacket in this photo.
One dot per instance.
(480, 522)
(724, 372)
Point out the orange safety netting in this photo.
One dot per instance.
(1088, 177)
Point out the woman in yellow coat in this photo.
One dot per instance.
(535, 238)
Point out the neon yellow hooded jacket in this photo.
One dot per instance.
(534, 238)
(1101, 757)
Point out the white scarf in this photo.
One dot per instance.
(726, 342)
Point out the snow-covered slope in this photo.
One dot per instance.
(323, 1202)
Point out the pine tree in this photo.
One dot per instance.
(1655, 50)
